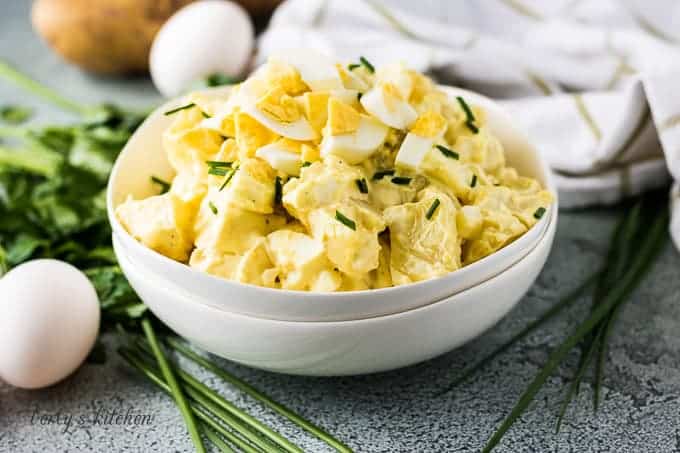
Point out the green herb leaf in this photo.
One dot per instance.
(212, 207)
(15, 114)
(180, 108)
(448, 152)
(165, 186)
(539, 212)
(378, 175)
(431, 210)
(401, 180)
(362, 185)
(353, 66)
(349, 223)
(367, 64)
(473, 183)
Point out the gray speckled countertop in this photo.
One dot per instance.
(393, 411)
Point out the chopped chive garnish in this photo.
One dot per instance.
(472, 127)
(353, 66)
(473, 183)
(218, 163)
(367, 64)
(184, 107)
(226, 181)
(217, 171)
(212, 207)
(539, 212)
(165, 186)
(381, 174)
(433, 207)
(466, 108)
(401, 180)
(278, 190)
(362, 185)
(359, 96)
(205, 115)
(349, 223)
(448, 152)
(306, 163)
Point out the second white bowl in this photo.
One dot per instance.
(344, 347)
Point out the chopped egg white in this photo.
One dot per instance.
(356, 146)
(316, 70)
(385, 103)
(280, 158)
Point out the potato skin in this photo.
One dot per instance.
(103, 36)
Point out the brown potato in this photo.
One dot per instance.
(103, 36)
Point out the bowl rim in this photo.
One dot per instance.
(543, 223)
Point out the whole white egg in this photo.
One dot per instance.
(200, 39)
(49, 320)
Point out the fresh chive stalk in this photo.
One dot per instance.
(16, 77)
(349, 223)
(472, 127)
(278, 190)
(469, 116)
(218, 164)
(367, 64)
(175, 389)
(401, 180)
(180, 108)
(133, 359)
(216, 440)
(353, 66)
(202, 393)
(212, 207)
(165, 186)
(431, 210)
(259, 396)
(473, 183)
(451, 154)
(306, 164)
(217, 171)
(563, 303)
(647, 250)
(362, 185)
(539, 213)
(228, 178)
(378, 175)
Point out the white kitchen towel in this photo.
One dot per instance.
(596, 83)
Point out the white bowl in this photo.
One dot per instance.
(342, 347)
(143, 156)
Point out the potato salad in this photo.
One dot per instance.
(318, 176)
